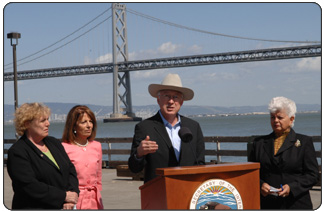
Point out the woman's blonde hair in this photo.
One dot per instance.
(72, 118)
(28, 112)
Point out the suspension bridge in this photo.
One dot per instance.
(121, 65)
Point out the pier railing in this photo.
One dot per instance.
(213, 148)
(213, 143)
(214, 151)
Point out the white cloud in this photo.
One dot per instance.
(153, 75)
(312, 64)
(195, 49)
(143, 54)
(216, 76)
(107, 58)
(168, 48)
(309, 64)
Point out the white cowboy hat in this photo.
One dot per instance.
(171, 82)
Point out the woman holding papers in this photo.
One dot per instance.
(86, 155)
(289, 168)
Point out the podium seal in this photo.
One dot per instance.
(216, 194)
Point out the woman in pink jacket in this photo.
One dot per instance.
(86, 155)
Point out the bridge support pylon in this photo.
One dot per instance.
(120, 52)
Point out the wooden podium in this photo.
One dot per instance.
(179, 187)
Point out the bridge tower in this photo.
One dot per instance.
(120, 54)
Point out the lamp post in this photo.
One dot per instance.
(14, 36)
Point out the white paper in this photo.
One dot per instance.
(274, 191)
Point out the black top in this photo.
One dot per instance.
(294, 164)
(37, 182)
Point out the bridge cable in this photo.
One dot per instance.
(212, 33)
(65, 43)
(63, 39)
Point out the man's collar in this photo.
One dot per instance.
(166, 123)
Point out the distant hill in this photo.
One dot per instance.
(146, 111)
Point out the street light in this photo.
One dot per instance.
(14, 36)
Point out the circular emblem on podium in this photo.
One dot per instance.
(216, 194)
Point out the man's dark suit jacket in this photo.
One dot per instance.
(294, 164)
(192, 153)
(37, 182)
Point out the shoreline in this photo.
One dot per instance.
(10, 122)
(245, 114)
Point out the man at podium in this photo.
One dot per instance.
(167, 139)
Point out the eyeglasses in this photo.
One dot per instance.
(167, 97)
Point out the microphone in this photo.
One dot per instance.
(186, 136)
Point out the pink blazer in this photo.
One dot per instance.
(88, 164)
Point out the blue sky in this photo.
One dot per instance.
(240, 84)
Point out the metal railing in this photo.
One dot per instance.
(214, 149)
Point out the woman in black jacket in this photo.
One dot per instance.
(42, 174)
(288, 165)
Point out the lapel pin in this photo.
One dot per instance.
(298, 144)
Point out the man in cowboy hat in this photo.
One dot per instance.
(157, 142)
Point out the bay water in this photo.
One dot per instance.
(231, 125)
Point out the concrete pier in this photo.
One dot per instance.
(122, 193)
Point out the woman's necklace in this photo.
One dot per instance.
(81, 145)
(41, 146)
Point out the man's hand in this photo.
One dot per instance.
(146, 147)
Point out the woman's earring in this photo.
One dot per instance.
(74, 131)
